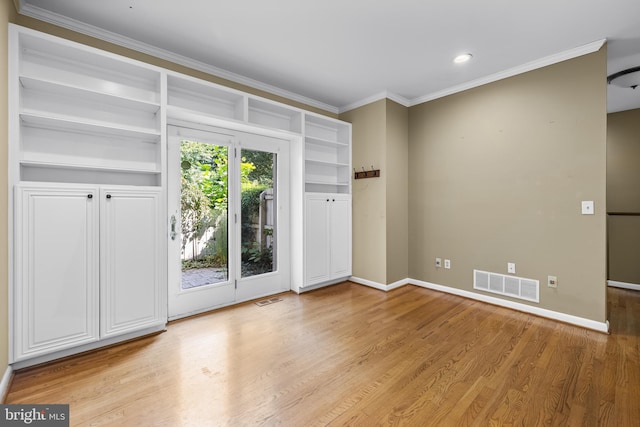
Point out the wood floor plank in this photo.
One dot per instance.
(349, 355)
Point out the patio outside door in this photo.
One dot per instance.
(229, 213)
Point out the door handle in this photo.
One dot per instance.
(173, 233)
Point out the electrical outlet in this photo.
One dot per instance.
(552, 281)
(511, 267)
(438, 262)
(447, 263)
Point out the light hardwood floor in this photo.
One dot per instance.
(351, 355)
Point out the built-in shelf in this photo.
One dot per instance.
(328, 183)
(77, 65)
(274, 115)
(85, 166)
(325, 142)
(32, 172)
(326, 163)
(327, 153)
(54, 121)
(82, 115)
(45, 86)
(209, 99)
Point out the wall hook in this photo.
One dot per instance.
(373, 173)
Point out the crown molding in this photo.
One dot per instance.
(374, 98)
(529, 66)
(524, 68)
(27, 9)
(111, 37)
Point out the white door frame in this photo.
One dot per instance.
(184, 303)
(279, 280)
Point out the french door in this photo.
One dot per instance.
(228, 201)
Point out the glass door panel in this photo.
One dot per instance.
(264, 225)
(204, 213)
(259, 234)
(228, 203)
(200, 200)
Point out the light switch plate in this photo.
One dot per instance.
(587, 207)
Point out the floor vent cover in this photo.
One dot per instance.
(268, 301)
(511, 286)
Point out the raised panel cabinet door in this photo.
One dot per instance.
(340, 236)
(316, 249)
(132, 286)
(56, 275)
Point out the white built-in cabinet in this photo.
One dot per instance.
(57, 272)
(327, 212)
(131, 260)
(89, 265)
(87, 169)
(327, 237)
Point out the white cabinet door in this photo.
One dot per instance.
(132, 295)
(327, 238)
(340, 235)
(56, 274)
(316, 249)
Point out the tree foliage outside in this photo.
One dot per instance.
(204, 205)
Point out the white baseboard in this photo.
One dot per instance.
(380, 286)
(4, 384)
(623, 285)
(542, 312)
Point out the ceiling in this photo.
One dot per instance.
(339, 54)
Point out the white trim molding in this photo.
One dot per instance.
(521, 69)
(374, 98)
(5, 383)
(623, 285)
(380, 286)
(36, 12)
(41, 14)
(542, 312)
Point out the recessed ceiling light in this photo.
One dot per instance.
(462, 58)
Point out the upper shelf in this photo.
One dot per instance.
(61, 122)
(200, 97)
(79, 66)
(60, 89)
(274, 115)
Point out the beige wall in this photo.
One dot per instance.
(623, 196)
(7, 13)
(380, 215)
(369, 195)
(396, 176)
(497, 174)
(624, 248)
(623, 162)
